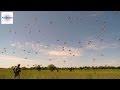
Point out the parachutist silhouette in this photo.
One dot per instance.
(51, 22)
(64, 42)
(25, 58)
(93, 59)
(37, 41)
(9, 30)
(64, 61)
(69, 50)
(28, 52)
(101, 39)
(35, 52)
(29, 31)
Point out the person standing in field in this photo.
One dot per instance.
(17, 71)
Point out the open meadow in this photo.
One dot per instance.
(63, 74)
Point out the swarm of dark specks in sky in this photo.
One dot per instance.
(69, 20)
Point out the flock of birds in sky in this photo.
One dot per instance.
(69, 18)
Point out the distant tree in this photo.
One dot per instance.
(24, 68)
(38, 68)
(51, 67)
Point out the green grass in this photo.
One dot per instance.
(63, 74)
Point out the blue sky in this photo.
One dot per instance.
(62, 38)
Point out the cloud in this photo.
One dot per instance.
(58, 53)
(62, 53)
(16, 44)
(95, 44)
(50, 50)
(96, 13)
(13, 45)
(8, 61)
(102, 46)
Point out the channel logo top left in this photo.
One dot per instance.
(6, 17)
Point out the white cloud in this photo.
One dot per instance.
(13, 45)
(51, 50)
(8, 61)
(96, 13)
(99, 45)
(62, 53)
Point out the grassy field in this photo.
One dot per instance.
(63, 74)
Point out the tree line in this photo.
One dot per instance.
(52, 67)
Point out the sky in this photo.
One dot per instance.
(62, 38)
